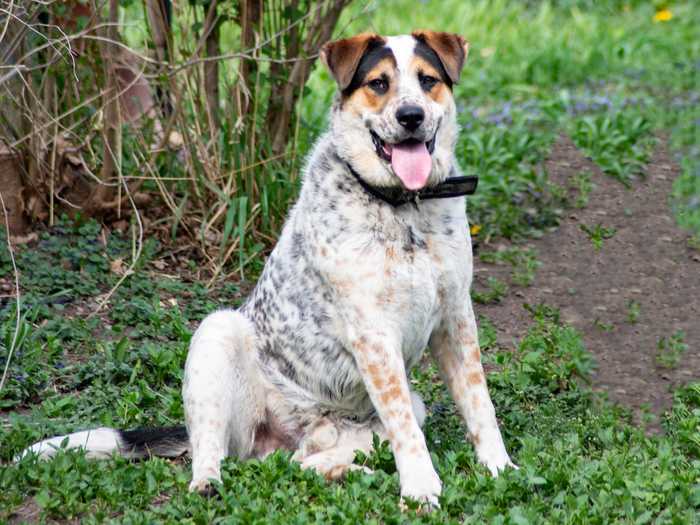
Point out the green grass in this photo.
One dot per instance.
(580, 460)
(602, 72)
(598, 234)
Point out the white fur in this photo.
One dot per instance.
(99, 443)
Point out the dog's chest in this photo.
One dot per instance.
(401, 268)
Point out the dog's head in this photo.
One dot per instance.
(395, 119)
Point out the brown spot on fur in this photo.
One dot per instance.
(475, 438)
(440, 92)
(475, 355)
(343, 56)
(391, 253)
(393, 381)
(373, 369)
(414, 450)
(450, 48)
(324, 251)
(392, 394)
(361, 344)
(475, 378)
(365, 98)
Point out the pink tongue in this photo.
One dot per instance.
(411, 163)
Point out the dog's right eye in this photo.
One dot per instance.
(379, 85)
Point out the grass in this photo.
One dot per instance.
(580, 459)
(671, 349)
(523, 261)
(603, 72)
(598, 234)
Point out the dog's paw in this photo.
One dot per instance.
(332, 465)
(422, 485)
(493, 456)
(204, 486)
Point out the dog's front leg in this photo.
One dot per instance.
(380, 362)
(455, 346)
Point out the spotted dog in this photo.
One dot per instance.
(372, 267)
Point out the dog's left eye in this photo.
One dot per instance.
(379, 85)
(427, 82)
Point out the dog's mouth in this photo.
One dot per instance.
(410, 159)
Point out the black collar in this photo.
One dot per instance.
(395, 196)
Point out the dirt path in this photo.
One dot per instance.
(641, 287)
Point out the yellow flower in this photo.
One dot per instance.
(475, 228)
(663, 16)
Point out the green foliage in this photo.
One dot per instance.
(597, 234)
(524, 263)
(617, 143)
(493, 293)
(671, 349)
(579, 460)
(633, 312)
(583, 185)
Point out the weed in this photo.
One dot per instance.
(633, 312)
(603, 326)
(670, 350)
(597, 234)
(523, 260)
(494, 292)
(693, 242)
(618, 143)
(584, 186)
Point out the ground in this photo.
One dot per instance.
(640, 288)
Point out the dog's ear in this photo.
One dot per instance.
(450, 48)
(343, 56)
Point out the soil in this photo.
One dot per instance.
(647, 262)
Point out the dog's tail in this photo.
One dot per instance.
(101, 443)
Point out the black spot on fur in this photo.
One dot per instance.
(160, 442)
(375, 52)
(414, 241)
(424, 51)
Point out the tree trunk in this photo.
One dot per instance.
(11, 187)
(250, 14)
(158, 13)
(318, 32)
(112, 128)
(211, 68)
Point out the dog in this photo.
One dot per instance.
(373, 266)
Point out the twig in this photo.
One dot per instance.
(139, 245)
(19, 303)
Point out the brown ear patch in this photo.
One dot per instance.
(450, 48)
(343, 56)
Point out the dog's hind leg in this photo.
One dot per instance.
(223, 396)
(330, 448)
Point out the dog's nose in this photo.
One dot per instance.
(410, 117)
